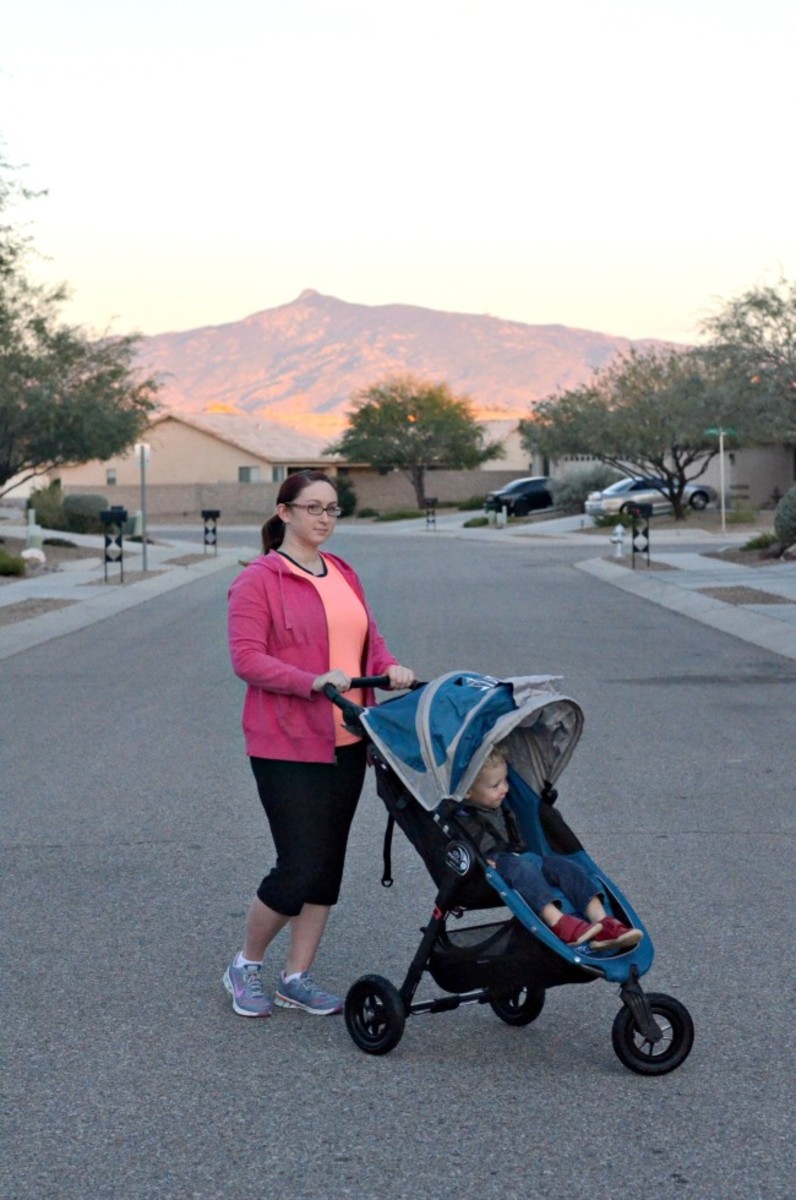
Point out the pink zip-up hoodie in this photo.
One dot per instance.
(279, 644)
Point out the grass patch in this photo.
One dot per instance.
(402, 514)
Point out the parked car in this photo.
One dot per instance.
(521, 496)
(625, 492)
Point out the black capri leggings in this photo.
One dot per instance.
(310, 807)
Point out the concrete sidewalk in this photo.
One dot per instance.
(80, 596)
(755, 604)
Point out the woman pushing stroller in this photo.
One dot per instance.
(494, 831)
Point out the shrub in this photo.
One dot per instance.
(11, 564)
(569, 494)
(368, 512)
(475, 522)
(609, 520)
(346, 496)
(48, 504)
(472, 504)
(82, 512)
(785, 519)
(762, 541)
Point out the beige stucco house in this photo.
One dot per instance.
(207, 447)
(232, 462)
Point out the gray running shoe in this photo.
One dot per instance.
(245, 986)
(303, 992)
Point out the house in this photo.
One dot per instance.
(233, 462)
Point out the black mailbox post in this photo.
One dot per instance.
(431, 512)
(113, 519)
(641, 514)
(210, 517)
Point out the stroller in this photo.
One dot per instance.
(427, 746)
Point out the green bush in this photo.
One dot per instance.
(475, 522)
(762, 541)
(472, 504)
(570, 494)
(785, 519)
(59, 541)
(82, 512)
(609, 520)
(11, 564)
(346, 496)
(368, 512)
(48, 504)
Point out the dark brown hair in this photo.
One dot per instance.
(273, 530)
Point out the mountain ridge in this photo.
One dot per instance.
(302, 362)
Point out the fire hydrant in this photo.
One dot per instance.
(618, 540)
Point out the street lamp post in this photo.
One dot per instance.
(142, 454)
(720, 434)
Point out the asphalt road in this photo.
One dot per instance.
(132, 838)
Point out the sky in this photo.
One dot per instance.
(623, 166)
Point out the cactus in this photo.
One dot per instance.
(785, 519)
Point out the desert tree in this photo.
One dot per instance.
(65, 397)
(752, 337)
(411, 425)
(652, 412)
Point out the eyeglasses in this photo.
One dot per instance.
(316, 510)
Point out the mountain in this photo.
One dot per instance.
(302, 362)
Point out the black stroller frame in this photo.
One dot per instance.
(509, 964)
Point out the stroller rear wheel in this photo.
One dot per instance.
(519, 1007)
(654, 1058)
(374, 1014)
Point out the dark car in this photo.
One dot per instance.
(521, 496)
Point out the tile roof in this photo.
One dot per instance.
(269, 440)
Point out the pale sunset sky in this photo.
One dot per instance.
(621, 166)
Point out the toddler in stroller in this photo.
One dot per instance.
(428, 748)
(537, 878)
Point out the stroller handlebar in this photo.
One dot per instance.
(361, 681)
(351, 710)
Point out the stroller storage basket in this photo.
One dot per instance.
(495, 956)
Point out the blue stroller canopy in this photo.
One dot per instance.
(437, 737)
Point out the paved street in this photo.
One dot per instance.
(132, 838)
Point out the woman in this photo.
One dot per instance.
(298, 619)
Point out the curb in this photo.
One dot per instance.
(764, 631)
(24, 635)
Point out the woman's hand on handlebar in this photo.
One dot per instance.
(400, 677)
(338, 679)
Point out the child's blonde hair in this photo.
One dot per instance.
(496, 756)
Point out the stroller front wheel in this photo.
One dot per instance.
(654, 1058)
(374, 1014)
(518, 1007)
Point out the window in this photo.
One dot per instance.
(248, 474)
(110, 476)
(277, 474)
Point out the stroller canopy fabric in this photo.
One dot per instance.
(437, 737)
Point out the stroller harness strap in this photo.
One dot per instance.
(386, 874)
